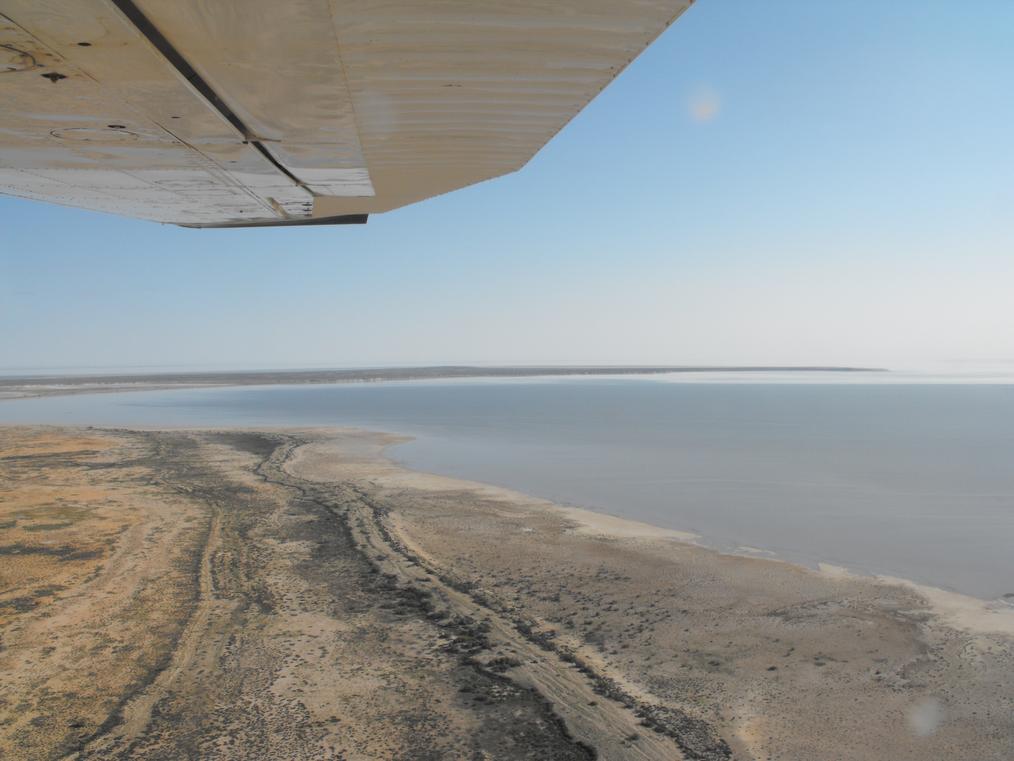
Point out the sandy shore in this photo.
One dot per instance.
(293, 594)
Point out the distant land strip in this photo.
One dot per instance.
(13, 386)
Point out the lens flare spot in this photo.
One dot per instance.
(704, 105)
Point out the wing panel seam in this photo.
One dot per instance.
(147, 28)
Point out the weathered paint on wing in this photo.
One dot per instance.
(227, 112)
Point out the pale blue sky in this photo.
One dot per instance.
(850, 200)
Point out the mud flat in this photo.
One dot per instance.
(293, 594)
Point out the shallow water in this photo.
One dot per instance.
(914, 481)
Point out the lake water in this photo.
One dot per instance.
(907, 480)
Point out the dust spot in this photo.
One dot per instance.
(925, 716)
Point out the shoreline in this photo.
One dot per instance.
(759, 514)
(956, 608)
(923, 540)
(961, 609)
(394, 609)
(938, 617)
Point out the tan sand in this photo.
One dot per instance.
(296, 595)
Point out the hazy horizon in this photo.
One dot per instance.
(253, 367)
(1000, 368)
(769, 184)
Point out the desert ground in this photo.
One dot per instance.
(295, 595)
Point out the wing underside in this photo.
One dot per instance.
(256, 112)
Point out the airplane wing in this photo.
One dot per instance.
(222, 113)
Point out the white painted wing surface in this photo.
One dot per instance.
(250, 112)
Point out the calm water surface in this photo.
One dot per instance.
(914, 481)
